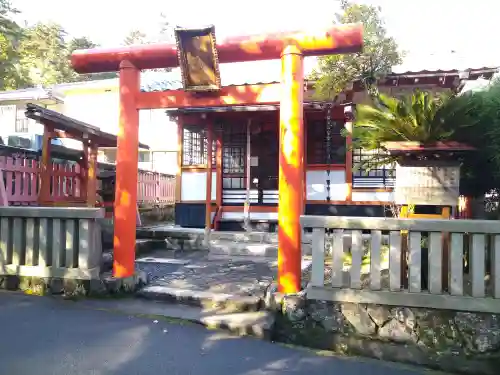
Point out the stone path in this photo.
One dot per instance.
(198, 271)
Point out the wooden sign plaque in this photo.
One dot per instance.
(198, 59)
(427, 184)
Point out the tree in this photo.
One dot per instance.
(160, 80)
(83, 43)
(164, 34)
(380, 54)
(10, 36)
(46, 56)
(135, 37)
(43, 54)
(480, 172)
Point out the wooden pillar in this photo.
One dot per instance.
(45, 168)
(92, 175)
(84, 169)
(291, 170)
(126, 173)
(218, 168)
(208, 202)
(305, 158)
(446, 241)
(178, 179)
(348, 118)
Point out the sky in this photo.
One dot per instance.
(436, 34)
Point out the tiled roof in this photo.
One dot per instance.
(251, 73)
(446, 61)
(231, 74)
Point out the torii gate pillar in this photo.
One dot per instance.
(291, 48)
(127, 157)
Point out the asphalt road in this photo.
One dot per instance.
(43, 336)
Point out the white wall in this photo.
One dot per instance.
(372, 196)
(7, 119)
(194, 186)
(316, 185)
(102, 109)
(157, 130)
(98, 109)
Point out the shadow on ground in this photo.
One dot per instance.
(47, 336)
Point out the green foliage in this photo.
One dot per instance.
(421, 117)
(164, 35)
(480, 172)
(380, 54)
(135, 37)
(471, 118)
(43, 54)
(83, 43)
(38, 54)
(10, 35)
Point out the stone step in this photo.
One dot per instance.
(259, 237)
(255, 323)
(232, 248)
(210, 301)
(142, 246)
(251, 249)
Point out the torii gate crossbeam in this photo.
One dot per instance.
(291, 48)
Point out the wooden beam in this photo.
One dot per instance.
(228, 95)
(337, 39)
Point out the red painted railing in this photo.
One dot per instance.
(155, 188)
(20, 183)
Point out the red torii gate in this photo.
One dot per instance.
(291, 47)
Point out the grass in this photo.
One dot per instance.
(365, 260)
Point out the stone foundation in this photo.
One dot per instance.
(71, 288)
(446, 340)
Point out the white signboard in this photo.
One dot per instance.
(427, 185)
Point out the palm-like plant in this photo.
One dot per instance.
(421, 117)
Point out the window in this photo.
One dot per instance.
(233, 158)
(370, 175)
(22, 125)
(317, 143)
(194, 146)
(16, 141)
(144, 156)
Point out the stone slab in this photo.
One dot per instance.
(206, 299)
(224, 275)
(258, 323)
(163, 260)
(226, 247)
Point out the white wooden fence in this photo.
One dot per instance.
(455, 278)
